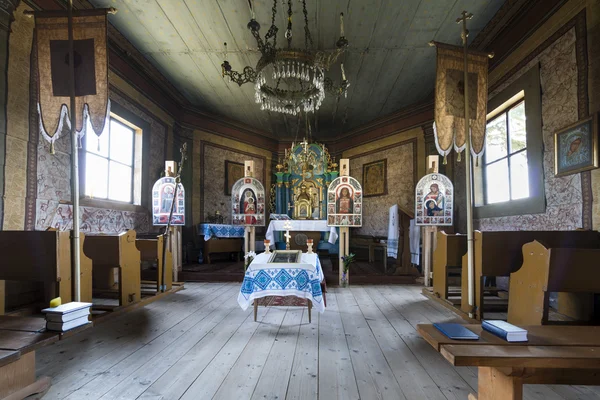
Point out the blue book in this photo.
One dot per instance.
(456, 331)
(505, 331)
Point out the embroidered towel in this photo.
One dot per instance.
(414, 235)
(392, 242)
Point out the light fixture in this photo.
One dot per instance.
(290, 80)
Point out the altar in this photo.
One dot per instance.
(301, 225)
(302, 279)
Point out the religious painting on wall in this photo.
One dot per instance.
(344, 202)
(234, 171)
(163, 193)
(375, 178)
(248, 202)
(434, 197)
(576, 147)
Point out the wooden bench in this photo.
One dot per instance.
(20, 337)
(116, 265)
(447, 258)
(500, 254)
(546, 270)
(151, 251)
(559, 355)
(44, 256)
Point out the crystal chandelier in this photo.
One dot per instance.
(290, 80)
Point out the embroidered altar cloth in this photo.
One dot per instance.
(319, 225)
(220, 231)
(301, 279)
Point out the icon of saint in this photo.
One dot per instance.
(344, 203)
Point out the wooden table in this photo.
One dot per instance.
(568, 355)
(20, 337)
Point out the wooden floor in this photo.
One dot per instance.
(199, 344)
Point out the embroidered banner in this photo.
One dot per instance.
(449, 126)
(91, 72)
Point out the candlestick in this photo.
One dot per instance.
(343, 72)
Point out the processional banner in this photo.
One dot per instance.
(91, 72)
(248, 202)
(449, 126)
(344, 202)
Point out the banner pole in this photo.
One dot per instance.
(75, 245)
(470, 269)
(167, 233)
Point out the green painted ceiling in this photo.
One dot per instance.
(389, 62)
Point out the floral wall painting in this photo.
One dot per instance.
(576, 147)
(344, 202)
(375, 178)
(233, 172)
(434, 196)
(163, 192)
(248, 202)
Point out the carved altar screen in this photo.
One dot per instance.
(162, 197)
(344, 202)
(434, 197)
(248, 202)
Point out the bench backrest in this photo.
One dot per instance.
(34, 255)
(449, 249)
(500, 253)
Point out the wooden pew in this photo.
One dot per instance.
(447, 257)
(546, 270)
(500, 254)
(20, 337)
(558, 355)
(116, 264)
(44, 256)
(151, 251)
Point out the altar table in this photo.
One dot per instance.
(301, 279)
(319, 225)
(220, 231)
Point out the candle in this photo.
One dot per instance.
(309, 241)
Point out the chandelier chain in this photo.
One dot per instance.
(288, 32)
(308, 42)
(272, 33)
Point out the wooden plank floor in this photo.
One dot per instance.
(199, 344)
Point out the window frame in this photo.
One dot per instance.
(507, 157)
(529, 83)
(130, 120)
(108, 158)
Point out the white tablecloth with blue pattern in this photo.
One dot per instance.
(220, 231)
(301, 280)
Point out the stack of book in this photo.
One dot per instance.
(504, 330)
(67, 316)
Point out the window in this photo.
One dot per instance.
(509, 179)
(110, 162)
(505, 158)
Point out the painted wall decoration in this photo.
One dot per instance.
(248, 202)
(162, 198)
(375, 178)
(576, 147)
(434, 196)
(234, 171)
(344, 202)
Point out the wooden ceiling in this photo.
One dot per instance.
(388, 63)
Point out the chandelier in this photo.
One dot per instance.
(290, 80)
